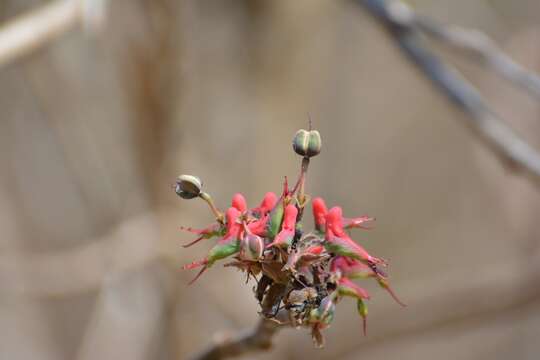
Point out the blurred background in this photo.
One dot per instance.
(95, 126)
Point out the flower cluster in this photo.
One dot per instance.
(300, 275)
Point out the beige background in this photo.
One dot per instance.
(93, 129)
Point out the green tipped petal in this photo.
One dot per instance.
(362, 308)
(276, 218)
(340, 250)
(221, 251)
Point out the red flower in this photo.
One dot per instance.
(239, 202)
(354, 269)
(207, 233)
(300, 274)
(285, 237)
(348, 288)
(228, 245)
(267, 204)
(258, 227)
(319, 214)
(338, 242)
(350, 223)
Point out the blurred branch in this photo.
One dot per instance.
(259, 338)
(36, 29)
(405, 28)
(480, 46)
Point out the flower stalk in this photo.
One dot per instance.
(208, 199)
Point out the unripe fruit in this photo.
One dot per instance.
(307, 143)
(188, 186)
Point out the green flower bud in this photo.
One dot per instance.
(188, 186)
(307, 143)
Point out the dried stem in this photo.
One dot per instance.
(257, 339)
(480, 46)
(39, 27)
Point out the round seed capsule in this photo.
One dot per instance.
(307, 143)
(188, 186)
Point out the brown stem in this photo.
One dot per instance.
(257, 339)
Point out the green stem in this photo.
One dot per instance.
(219, 215)
(301, 188)
(304, 169)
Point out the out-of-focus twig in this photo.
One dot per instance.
(31, 31)
(471, 41)
(257, 339)
(482, 47)
(401, 23)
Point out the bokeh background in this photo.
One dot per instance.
(95, 127)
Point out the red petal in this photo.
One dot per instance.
(239, 202)
(198, 275)
(195, 264)
(193, 242)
